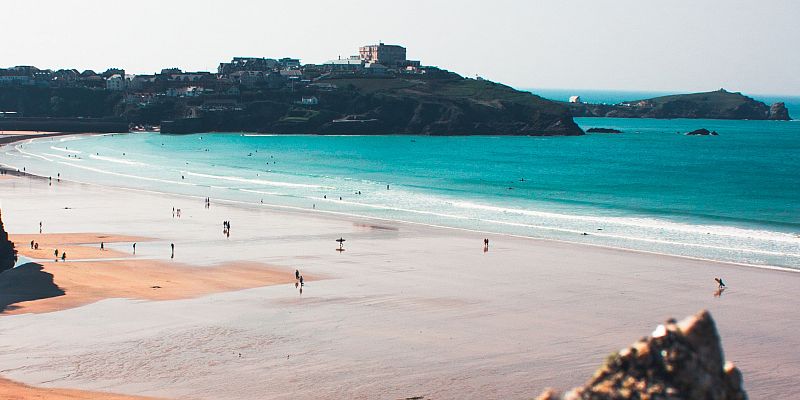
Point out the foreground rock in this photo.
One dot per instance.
(8, 256)
(702, 132)
(681, 360)
(719, 104)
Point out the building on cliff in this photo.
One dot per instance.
(389, 55)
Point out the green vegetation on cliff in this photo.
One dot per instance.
(719, 104)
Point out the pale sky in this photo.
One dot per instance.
(683, 45)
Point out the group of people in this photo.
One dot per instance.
(298, 280)
(176, 212)
(63, 255)
(208, 202)
(485, 245)
(226, 228)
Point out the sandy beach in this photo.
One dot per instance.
(406, 310)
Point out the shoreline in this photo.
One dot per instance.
(403, 297)
(349, 215)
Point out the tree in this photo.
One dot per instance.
(8, 256)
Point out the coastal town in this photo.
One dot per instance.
(376, 91)
(220, 90)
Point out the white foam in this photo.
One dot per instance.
(259, 181)
(65, 150)
(116, 160)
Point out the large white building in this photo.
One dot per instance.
(115, 82)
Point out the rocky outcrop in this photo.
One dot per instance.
(8, 256)
(719, 104)
(680, 360)
(603, 130)
(702, 132)
(778, 111)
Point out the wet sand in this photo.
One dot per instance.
(407, 310)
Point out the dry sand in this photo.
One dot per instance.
(77, 245)
(411, 310)
(88, 282)
(16, 391)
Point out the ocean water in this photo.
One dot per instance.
(733, 197)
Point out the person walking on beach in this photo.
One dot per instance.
(172, 246)
(720, 282)
(134, 248)
(31, 243)
(64, 256)
(55, 253)
(297, 274)
(102, 246)
(301, 281)
(40, 226)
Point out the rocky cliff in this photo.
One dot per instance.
(720, 104)
(680, 360)
(8, 256)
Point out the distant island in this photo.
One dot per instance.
(719, 104)
(378, 91)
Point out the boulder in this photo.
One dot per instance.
(680, 360)
(8, 256)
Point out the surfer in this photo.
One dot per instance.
(720, 282)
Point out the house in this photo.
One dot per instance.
(309, 101)
(575, 99)
(387, 54)
(289, 63)
(345, 64)
(115, 82)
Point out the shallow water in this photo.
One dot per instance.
(732, 197)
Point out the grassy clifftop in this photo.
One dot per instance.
(719, 104)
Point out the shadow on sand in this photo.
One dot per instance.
(24, 283)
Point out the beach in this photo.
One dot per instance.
(405, 310)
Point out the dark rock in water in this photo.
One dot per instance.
(681, 360)
(702, 132)
(603, 130)
(778, 111)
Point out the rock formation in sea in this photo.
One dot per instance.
(8, 256)
(778, 111)
(603, 130)
(680, 360)
(702, 132)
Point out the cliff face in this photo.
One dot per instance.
(778, 111)
(710, 105)
(446, 104)
(681, 360)
(8, 256)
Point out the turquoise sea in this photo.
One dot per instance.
(733, 197)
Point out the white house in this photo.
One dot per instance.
(309, 101)
(115, 82)
(575, 99)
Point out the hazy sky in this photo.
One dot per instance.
(749, 46)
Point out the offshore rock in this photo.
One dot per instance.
(680, 360)
(702, 132)
(778, 111)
